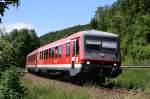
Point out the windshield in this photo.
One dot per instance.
(102, 44)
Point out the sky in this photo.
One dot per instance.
(50, 15)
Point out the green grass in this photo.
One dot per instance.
(132, 79)
(52, 92)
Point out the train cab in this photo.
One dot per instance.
(101, 53)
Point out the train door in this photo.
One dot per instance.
(36, 61)
(75, 69)
(75, 52)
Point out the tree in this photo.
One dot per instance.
(4, 4)
(24, 41)
(7, 54)
(130, 19)
(53, 36)
(93, 23)
(10, 83)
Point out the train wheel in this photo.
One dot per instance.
(98, 80)
(66, 76)
(61, 76)
(77, 79)
(102, 79)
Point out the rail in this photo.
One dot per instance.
(135, 66)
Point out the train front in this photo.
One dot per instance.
(101, 55)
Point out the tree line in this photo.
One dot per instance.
(56, 35)
(11, 86)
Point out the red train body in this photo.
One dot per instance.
(93, 53)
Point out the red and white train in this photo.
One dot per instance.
(90, 53)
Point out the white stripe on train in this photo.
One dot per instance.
(73, 71)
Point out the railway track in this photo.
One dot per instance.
(135, 66)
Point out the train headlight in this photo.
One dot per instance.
(115, 64)
(87, 62)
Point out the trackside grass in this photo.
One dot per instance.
(132, 79)
(51, 92)
(40, 88)
(46, 90)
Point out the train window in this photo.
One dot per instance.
(52, 52)
(30, 58)
(109, 44)
(68, 49)
(77, 47)
(73, 48)
(49, 53)
(42, 55)
(56, 51)
(60, 51)
(46, 54)
(33, 57)
(101, 44)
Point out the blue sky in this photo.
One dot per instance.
(50, 15)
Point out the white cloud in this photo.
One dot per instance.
(17, 25)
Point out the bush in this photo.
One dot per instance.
(140, 54)
(10, 85)
(7, 54)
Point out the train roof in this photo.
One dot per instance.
(99, 33)
(33, 52)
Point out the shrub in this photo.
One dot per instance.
(7, 54)
(10, 85)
